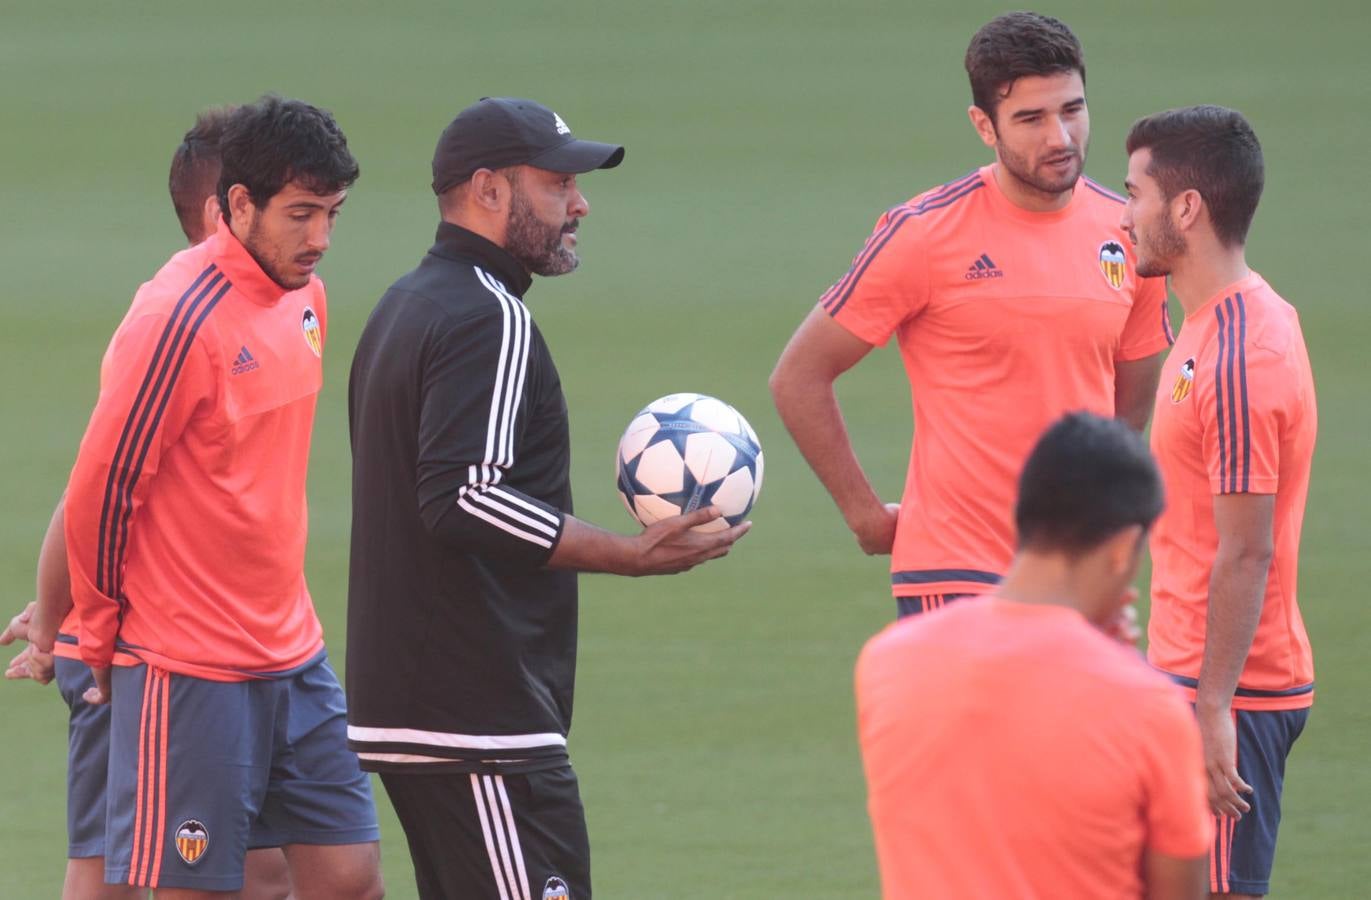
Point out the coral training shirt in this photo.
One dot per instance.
(185, 514)
(1006, 320)
(1235, 413)
(1013, 750)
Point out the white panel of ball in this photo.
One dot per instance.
(694, 448)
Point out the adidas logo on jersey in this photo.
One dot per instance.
(244, 362)
(983, 267)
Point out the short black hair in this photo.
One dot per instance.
(195, 168)
(1015, 45)
(270, 143)
(1210, 149)
(1087, 479)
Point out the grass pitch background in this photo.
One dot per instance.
(714, 726)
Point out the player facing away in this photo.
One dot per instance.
(462, 599)
(1013, 295)
(185, 531)
(1011, 748)
(1233, 430)
(192, 184)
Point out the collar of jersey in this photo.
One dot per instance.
(1249, 282)
(238, 266)
(456, 242)
(1012, 210)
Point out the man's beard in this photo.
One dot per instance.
(254, 244)
(1163, 248)
(535, 243)
(1018, 167)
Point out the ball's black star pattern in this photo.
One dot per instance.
(676, 428)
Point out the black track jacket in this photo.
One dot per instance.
(461, 645)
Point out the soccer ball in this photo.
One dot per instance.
(685, 451)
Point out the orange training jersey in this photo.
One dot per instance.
(1235, 413)
(1006, 320)
(185, 514)
(1013, 750)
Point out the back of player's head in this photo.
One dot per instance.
(1087, 479)
(276, 141)
(1209, 149)
(195, 169)
(1016, 45)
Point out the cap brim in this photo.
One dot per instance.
(576, 156)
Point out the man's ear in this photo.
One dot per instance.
(210, 215)
(1187, 209)
(984, 125)
(489, 190)
(240, 203)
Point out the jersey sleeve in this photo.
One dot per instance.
(155, 377)
(1148, 328)
(886, 284)
(1177, 816)
(1243, 400)
(472, 419)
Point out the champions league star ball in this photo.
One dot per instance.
(686, 451)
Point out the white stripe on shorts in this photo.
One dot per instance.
(513, 835)
(520, 892)
(485, 830)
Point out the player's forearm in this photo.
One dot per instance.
(1237, 588)
(584, 547)
(54, 583)
(809, 408)
(1135, 390)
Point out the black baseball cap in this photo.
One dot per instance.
(496, 132)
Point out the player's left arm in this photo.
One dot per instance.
(1237, 586)
(1135, 389)
(1142, 346)
(1245, 409)
(39, 621)
(54, 583)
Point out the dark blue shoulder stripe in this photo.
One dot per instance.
(893, 214)
(1103, 191)
(105, 575)
(836, 298)
(161, 408)
(844, 288)
(950, 187)
(931, 204)
(1230, 397)
(1245, 463)
(144, 418)
(1220, 358)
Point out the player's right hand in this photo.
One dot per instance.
(669, 545)
(1219, 736)
(18, 628)
(876, 535)
(99, 694)
(31, 663)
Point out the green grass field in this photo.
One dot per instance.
(714, 727)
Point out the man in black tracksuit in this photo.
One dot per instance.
(462, 598)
